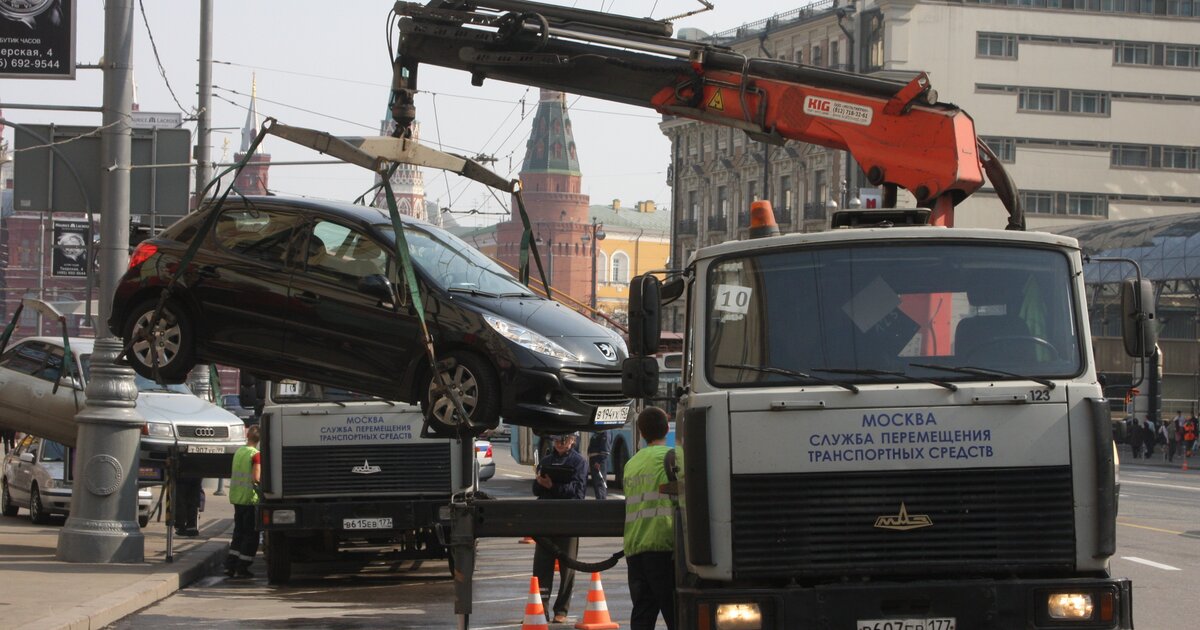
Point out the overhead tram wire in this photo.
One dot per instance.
(158, 60)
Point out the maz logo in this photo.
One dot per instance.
(366, 469)
(903, 521)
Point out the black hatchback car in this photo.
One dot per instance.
(308, 290)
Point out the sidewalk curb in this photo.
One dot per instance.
(106, 609)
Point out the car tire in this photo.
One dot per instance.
(37, 511)
(9, 508)
(279, 558)
(620, 458)
(476, 383)
(176, 343)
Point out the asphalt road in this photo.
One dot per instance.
(1158, 526)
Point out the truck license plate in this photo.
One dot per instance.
(205, 450)
(612, 415)
(934, 623)
(367, 523)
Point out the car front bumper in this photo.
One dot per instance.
(542, 401)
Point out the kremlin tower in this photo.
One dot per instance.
(252, 180)
(558, 211)
(408, 183)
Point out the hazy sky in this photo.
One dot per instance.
(325, 65)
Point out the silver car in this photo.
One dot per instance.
(34, 478)
(38, 397)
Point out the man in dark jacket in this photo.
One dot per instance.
(597, 449)
(562, 474)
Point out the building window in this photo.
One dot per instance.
(816, 56)
(873, 42)
(1181, 56)
(1132, 53)
(723, 202)
(601, 265)
(1086, 205)
(1037, 202)
(1035, 100)
(1130, 155)
(1089, 102)
(1180, 158)
(996, 45)
(833, 54)
(620, 268)
(799, 56)
(693, 204)
(752, 191)
(785, 194)
(1004, 148)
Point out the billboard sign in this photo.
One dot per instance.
(70, 258)
(37, 39)
(156, 120)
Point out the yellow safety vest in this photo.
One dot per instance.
(241, 481)
(649, 514)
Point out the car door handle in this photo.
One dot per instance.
(308, 297)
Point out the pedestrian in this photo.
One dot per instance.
(1189, 434)
(189, 495)
(243, 494)
(561, 474)
(10, 439)
(1134, 432)
(597, 450)
(1167, 432)
(1149, 435)
(650, 525)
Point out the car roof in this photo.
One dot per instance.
(349, 211)
(79, 345)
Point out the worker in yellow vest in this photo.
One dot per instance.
(243, 494)
(650, 525)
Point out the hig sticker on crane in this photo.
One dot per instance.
(838, 110)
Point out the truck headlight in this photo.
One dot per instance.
(160, 429)
(528, 339)
(739, 617)
(283, 517)
(237, 432)
(1070, 606)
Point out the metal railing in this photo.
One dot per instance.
(687, 226)
(717, 224)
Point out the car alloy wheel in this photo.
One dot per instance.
(169, 343)
(472, 379)
(9, 508)
(37, 512)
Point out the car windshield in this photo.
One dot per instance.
(52, 451)
(891, 312)
(454, 265)
(143, 384)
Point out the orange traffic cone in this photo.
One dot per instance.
(535, 614)
(556, 568)
(1185, 466)
(595, 616)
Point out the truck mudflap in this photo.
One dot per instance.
(349, 517)
(925, 605)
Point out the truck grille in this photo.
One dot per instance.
(403, 468)
(983, 521)
(595, 386)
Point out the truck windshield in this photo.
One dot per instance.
(298, 392)
(892, 311)
(454, 265)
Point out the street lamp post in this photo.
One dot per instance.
(596, 233)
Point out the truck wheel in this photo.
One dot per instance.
(476, 384)
(171, 344)
(620, 458)
(279, 558)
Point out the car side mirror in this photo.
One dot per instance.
(377, 286)
(26, 457)
(1139, 331)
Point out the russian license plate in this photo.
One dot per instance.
(367, 523)
(205, 450)
(933, 623)
(612, 415)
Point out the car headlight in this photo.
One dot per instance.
(53, 483)
(160, 429)
(528, 339)
(237, 432)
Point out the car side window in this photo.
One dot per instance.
(263, 234)
(52, 368)
(26, 358)
(338, 253)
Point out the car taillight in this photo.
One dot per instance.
(489, 451)
(142, 253)
(145, 429)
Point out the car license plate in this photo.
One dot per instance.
(367, 523)
(612, 415)
(933, 623)
(205, 450)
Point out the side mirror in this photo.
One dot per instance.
(639, 377)
(377, 286)
(248, 391)
(672, 289)
(645, 322)
(1138, 328)
(26, 457)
